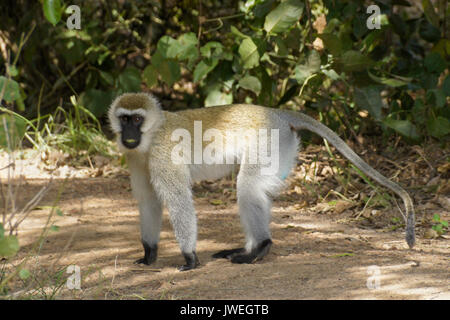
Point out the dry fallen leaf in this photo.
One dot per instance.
(430, 234)
(342, 205)
(444, 168)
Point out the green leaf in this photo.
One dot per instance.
(203, 68)
(436, 97)
(107, 77)
(52, 11)
(404, 127)
(16, 130)
(418, 111)
(183, 48)
(59, 212)
(281, 48)
(212, 49)
(218, 98)
(438, 127)
(434, 63)
(446, 86)
(444, 223)
(150, 76)
(188, 43)
(157, 59)
(54, 228)
(369, 98)
(428, 80)
(24, 274)
(12, 71)
(97, 101)
(429, 32)
(332, 43)
(216, 202)
(442, 47)
(130, 80)
(251, 83)
(311, 66)
(263, 8)
(12, 90)
(430, 14)
(249, 54)
(437, 228)
(436, 217)
(284, 16)
(345, 254)
(355, 61)
(169, 71)
(237, 33)
(168, 47)
(392, 82)
(9, 246)
(333, 75)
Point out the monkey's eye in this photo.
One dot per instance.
(137, 119)
(123, 119)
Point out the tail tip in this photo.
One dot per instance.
(410, 240)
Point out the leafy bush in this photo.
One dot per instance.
(319, 54)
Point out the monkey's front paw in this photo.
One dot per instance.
(142, 261)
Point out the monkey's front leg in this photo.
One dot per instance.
(184, 222)
(150, 212)
(174, 187)
(150, 254)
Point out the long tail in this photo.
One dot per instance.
(301, 121)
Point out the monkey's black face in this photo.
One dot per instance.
(131, 130)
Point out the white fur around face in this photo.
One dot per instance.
(122, 111)
(153, 118)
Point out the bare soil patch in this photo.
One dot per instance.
(322, 249)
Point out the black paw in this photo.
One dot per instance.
(261, 250)
(143, 261)
(150, 254)
(227, 254)
(192, 261)
(243, 258)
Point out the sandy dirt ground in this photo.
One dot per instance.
(318, 252)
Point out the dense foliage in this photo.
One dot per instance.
(318, 55)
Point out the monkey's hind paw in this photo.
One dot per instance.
(192, 261)
(259, 252)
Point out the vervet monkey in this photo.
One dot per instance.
(147, 136)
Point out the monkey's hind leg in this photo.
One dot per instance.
(253, 191)
(184, 222)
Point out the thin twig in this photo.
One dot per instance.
(365, 206)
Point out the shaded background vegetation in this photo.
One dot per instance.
(317, 56)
